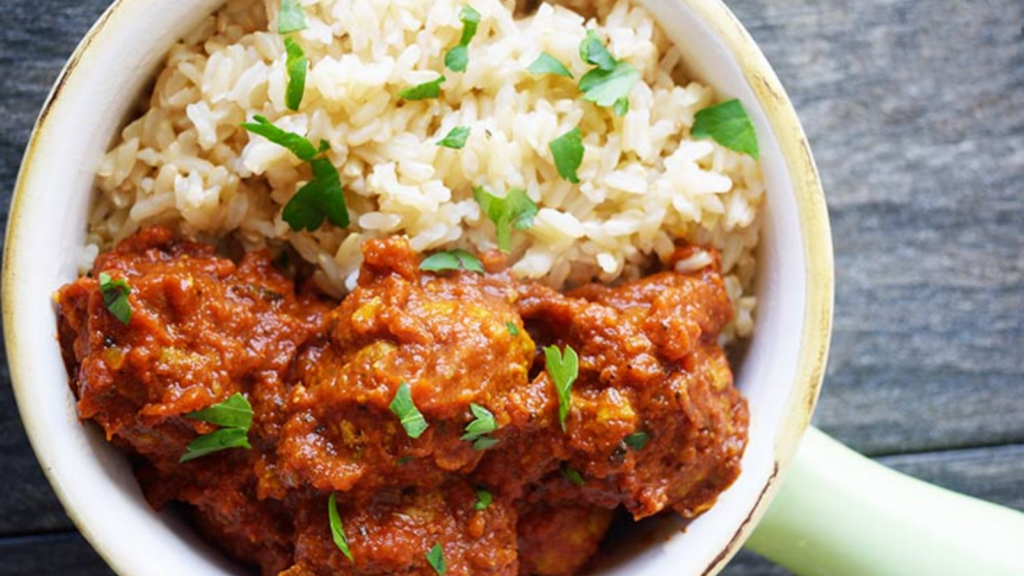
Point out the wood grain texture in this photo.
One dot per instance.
(915, 112)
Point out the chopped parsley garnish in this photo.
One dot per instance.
(477, 430)
(234, 415)
(298, 145)
(115, 297)
(458, 57)
(410, 416)
(636, 441)
(291, 18)
(337, 530)
(610, 88)
(572, 475)
(404, 460)
(567, 150)
(512, 328)
(436, 559)
(235, 412)
(423, 91)
(593, 52)
(452, 260)
(610, 83)
(514, 210)
(483, 500)
(456, 139)
(563, 370)
(729, 125)
(548, 64)
(322, 197)
(296, 65)
(222, 439)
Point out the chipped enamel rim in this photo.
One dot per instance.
(777, 110)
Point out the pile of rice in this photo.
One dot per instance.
(644, 182)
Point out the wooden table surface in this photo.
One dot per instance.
(915, 112)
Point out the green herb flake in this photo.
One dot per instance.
(563, 369)
(482, 424)
(593, 51)
(568, 150)
(636, 441)
(484, 443)
(424, 91)
(404, 460)
(457, 58)
(322, 197)
(728, 124)
(115, 297)
(572, 475)
(452, 260)
(512, 328)
(235, 412)
(216, 441)
(610, 88)
(298, 145)
(296, 65)
(548, 64)
(456, 139)
(410, 416)
(483, 500)
(514, 210)
(436, 559)
(337, 530)
(291, 18)
(235, 417)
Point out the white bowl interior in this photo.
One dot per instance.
(94, 480)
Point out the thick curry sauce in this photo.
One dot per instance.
(320, 376)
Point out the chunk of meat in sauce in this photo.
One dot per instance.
(393, 533)
(320, 382)
(447, 337)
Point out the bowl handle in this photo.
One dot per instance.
(840, 514)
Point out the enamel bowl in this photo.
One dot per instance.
(780, 373)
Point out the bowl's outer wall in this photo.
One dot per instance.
(780, 375)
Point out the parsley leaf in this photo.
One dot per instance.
(593, 51)
(452, 260)
(636, 441)
(478, 429)
(115, 297)
(729, 125)
(456, 139)
(483, 500)
(298, 145)
(291, 18)
(563, 370)
(457, 58)
(424, 91)
(337, 530)
(321, 197)
(548, 64)
(567, 150)
(235, 415)
(403, 407)
(572, 475)
(512, 328)
(436, 559)
(514, 210)
(296, 65)
(216, 441)
(610, 88)
(404, 460)
(235, 412)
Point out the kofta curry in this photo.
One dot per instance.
(443, 418)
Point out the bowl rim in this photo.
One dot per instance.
(811, 213)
